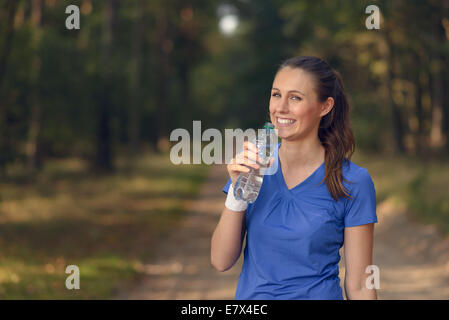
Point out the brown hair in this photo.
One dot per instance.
(335, 131)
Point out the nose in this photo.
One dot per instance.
(282, 105)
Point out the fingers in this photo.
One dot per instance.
(250, 157)
(250, 146)
(245, 159)
(250, 152)
(239, 168)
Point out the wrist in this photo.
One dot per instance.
(232, 203)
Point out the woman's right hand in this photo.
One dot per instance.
(242, 161)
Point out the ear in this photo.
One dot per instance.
(327, 106)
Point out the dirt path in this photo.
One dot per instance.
(183, 269)
(413, 260)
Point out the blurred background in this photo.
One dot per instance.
(86, 116)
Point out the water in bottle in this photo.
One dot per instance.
(248, 184)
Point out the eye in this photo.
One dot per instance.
(296, 98)
(275, 94)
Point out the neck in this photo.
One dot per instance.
(301, 153)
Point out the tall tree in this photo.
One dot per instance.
(397, 122)
(135, 77)
(104, 152)
(5, 143)
(164, 49)
(11, 9)
(435, 74)
(35, 122)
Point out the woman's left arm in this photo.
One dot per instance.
(358, 251)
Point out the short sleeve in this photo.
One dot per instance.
(361, 208)
(226, 187)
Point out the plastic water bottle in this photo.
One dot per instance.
(248, 184)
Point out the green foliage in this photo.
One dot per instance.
(160, 65)
(138, 69)
(108, 226)
(417, 185)
(424, 206)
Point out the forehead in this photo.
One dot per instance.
(293, 79)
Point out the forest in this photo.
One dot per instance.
(86, 114)
(136, 70)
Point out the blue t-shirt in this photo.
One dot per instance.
(294, 235)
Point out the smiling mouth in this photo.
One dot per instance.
(285, 121)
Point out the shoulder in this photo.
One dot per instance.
(356, 177)
(350, 170)
(360, 208)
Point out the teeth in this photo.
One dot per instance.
(285, 121)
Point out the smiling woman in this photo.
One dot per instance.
(316, 202)
(307, 96)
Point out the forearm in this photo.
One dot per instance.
(358, 257)
(226, 243)
(360, 293)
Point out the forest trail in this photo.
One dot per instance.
(413, 259)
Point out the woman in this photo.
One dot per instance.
(316, 202)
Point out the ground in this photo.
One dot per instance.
(413, 259)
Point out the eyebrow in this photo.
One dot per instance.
(289, 91)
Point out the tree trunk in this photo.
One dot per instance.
(11, 7)
(5, 141)
(104, 152)
(436, 65)
(136, 80)
(396, 117)
(444, 38)
(162, 72)
(185, 109)
(33, 143)
(419, 112)
(446, 104)
(436, 130)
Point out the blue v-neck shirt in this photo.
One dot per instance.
(294, 235)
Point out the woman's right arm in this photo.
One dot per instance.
(227, 239)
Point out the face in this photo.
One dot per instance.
(294, 106)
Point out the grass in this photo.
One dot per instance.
(419, 185)
(108, 226)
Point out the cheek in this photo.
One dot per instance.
(271, 106)
(306, 111)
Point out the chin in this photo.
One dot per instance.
(284, 136)
(288, 134)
